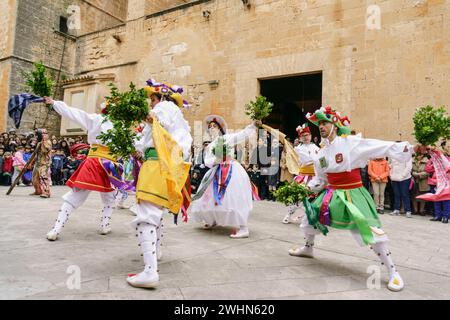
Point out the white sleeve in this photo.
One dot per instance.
(362, 150)
(146, 139)
(234, 139)
(320, 179)
(84, 119)
(164, 114)
(209, 158)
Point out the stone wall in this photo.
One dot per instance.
(33, 38)
(377, 77)
(7, 27)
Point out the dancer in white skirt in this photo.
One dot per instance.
(224, 197)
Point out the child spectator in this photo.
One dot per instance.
(57, 167)
(70, 166)
(7, 170)
(379, 172)
(26, 179)
(18, 164)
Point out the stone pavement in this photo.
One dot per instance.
(199, 264)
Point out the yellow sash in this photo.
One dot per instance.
(99, 151)
(161, 181)
(307, 170)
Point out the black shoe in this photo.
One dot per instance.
(444, 220)
(436, 219)
(381, 211)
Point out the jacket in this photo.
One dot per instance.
(379, 169)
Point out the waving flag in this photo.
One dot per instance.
(17, 105)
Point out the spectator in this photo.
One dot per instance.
(70, 166)
(199, 163)
(420, 182)
(57, 166)
(296, 142)
(29, 173)
(55, 144)
(18, 164)
(2, 153)
(255, 176)
(441, 208)
(7, 169)
(379, 172)
(400, 174)
(195, 181)
(65, 147)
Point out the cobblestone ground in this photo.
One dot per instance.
(199, 264)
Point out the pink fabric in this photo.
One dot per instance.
(18, 160)
(440, 167)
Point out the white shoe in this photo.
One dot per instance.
(286, 219)
(396, 283)
(302, 252)
(122, 206)
(144, 280)
(52, 235)
(104, 230)
(394, 213)
(408, 214)
(240, 234)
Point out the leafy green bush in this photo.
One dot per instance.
(430, 125)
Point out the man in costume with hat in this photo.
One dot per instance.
(90, 175)
(306, 172)
(164, 147)
(225, 195)
(342, 201)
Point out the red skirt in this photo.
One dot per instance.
(90, 175)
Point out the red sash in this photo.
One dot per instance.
(345, 180)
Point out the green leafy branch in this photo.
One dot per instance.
(125, 111)
(221, 149)
(430, 125)
(292, 193)
(38, 81)
(259, 109)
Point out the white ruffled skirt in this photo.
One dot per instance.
(236, 203)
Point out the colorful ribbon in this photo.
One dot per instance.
(221, 180)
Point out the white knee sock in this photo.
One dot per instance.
(382, 251)
(63, 216)
(159, 235)
(309, 240)
(147, 241)
(106, 215)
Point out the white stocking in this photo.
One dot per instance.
(147, 241)
(383, 253)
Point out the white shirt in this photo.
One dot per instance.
(171, 118)
(308, 149)
(351, 152)
(400, 170)
(91, 122)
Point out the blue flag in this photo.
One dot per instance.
(17, 105)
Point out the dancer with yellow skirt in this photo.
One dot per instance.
(165, 144)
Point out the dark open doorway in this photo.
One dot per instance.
(293, 98)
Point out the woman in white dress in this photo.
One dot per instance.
(224, 197)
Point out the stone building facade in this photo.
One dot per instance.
(376, 61)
